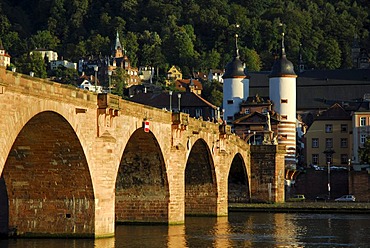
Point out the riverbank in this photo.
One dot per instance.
(303, 207)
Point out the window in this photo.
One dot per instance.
(284, 117)
(362, 138)
(329, 158)
(363, 121)
(247, 111)
(315, 142)
(329, 143)
(284, 101)
(328, 128)
(230, 101)
(315, 159)
(186, 111)
(343, 143)
(198, 113)
(264, 110)
(343, 158)
(344, 128)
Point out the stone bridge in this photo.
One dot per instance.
(73, 163)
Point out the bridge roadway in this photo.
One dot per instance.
(73, 163)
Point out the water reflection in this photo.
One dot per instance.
(236, 230)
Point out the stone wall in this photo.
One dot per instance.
(268, 171)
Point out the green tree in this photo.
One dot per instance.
(44, 39)
(212, 92)
(32, 63)
(251, 58)
(364, 152)
(97, 45)
(119, 79)
(131, 46)
(66, 75)
(209, 60)
(329, 55)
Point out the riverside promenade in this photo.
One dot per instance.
(304, 207)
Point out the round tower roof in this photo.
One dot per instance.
(282, 66)
(235, 68)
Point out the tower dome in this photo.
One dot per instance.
(282, 66)
(235, 86)
(235, 68)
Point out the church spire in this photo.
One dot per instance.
(118, 42)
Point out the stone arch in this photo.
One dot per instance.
(200, 181)
(47, 181)
(238, 184)
(142, 190)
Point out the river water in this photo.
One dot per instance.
(237, 230)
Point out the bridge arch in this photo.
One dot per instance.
(238, 183)
(46, 181)
(142, 190)
(200, 181)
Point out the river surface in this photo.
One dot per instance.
(237, 230)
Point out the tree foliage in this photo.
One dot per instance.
(364, 152)
(191, 34)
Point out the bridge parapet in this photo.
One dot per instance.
(38, 87)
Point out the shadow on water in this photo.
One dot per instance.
(237, 230)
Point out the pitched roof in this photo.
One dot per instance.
(335, 112)
(183, 84)
(161, 100)
(252, 117)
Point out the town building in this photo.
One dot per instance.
(4, 56)
(191, 85)
(257, 123)
(185, 102)
(173, 74)
(328, 139)
(216, 74)
(54, 64)
(120, 60)
(47, 54)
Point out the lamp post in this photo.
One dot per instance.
(254, 137)
(170, 100)
(328, 180)
(349, 164)
(249, 137)
(96, 75)
(179, 97)
(109, 80)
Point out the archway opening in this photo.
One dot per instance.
(200, 181)
(46, 182)
(238, 185)
(142, 193)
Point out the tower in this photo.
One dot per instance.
(282, 91)
(235, 86)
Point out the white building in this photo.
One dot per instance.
(4, 56)
(215, 74)
(86, 85)
(51, 55)
(54, 64)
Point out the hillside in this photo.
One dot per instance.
(195, 35)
